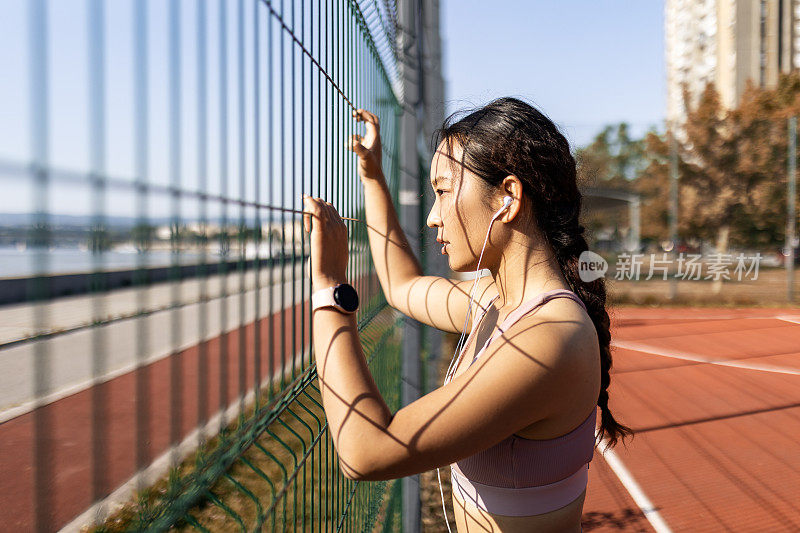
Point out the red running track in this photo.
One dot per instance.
(717, 447)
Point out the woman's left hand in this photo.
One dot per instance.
(328, 242)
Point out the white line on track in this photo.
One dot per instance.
(623, 474)
(687, 356)
(794, 319)
(788, 318)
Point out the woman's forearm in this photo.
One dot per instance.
(395, 263)
(355, 409)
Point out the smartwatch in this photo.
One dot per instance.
(342, 297)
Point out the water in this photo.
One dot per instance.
(16, 263)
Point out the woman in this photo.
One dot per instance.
(516, 415)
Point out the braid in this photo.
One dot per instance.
(568, 245)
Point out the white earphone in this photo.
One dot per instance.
(459, 346)
(506, 203)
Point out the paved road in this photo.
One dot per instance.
(67, 363)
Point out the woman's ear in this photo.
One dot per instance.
(512, 187)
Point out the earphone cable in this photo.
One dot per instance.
(459, 347)
(461, 341)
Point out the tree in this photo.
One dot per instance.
(142, 236)
(653, 184)
(733, 166)
(613, 160)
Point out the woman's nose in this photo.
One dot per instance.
(434, 220)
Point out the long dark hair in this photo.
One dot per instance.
(510, 137)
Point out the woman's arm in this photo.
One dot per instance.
(354, 407)
(349, 394)
(433, 300)
(506, 390)
(386, 237)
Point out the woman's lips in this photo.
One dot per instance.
(444, 248)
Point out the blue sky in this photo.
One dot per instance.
(229, 157)
(584, 63)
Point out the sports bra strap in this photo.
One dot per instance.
(526, 308)
(533, 303)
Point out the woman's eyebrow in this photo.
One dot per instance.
(437, 179)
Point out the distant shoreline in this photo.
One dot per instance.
(49, 285)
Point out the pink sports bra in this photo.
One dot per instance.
(525, 477)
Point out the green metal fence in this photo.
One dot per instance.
(276, 469)
(155, 247)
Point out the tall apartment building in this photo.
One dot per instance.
(727, 42)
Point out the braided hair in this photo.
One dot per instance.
(510, 137)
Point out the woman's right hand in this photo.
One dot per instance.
(368, 148)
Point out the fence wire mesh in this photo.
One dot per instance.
(154, 274)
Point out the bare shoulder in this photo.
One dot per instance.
(560, 330)
(566, 315)
(564, 336)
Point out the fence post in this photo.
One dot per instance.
(790, 208)
(435, 264)
(673, 207)
(411, 76)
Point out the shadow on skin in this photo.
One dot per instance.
(410, 440)
(426, 283)
(431, 281)
(453, 288)
(411, 445)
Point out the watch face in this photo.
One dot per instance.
(346, 296)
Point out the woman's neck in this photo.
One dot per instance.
(525, 270)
